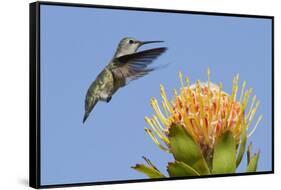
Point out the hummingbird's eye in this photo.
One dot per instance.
(131, 41)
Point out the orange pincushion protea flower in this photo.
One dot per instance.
(205, 111)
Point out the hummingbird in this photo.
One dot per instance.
(126, 65)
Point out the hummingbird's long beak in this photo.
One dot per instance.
(149, 42)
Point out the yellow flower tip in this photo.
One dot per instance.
(257, 104)
(242, 91)
(161, 87)
(237, 77)
(180, 74)
(154, 117)
(251, 90)
(175, 92)
(208, 71)
(162, 91)
(234, 81)
(152, 100)
(181, 80)
(256, 125)
(146, 119)
(187, 81)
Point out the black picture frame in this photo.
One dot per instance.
(34, 93)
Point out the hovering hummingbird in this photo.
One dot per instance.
(126, 65)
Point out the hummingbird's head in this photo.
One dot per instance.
(130, 45)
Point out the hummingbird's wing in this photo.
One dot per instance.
(133, 66)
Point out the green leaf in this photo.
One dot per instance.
(185, 149)
(148, 170)
(252, 166)
(180, 169)
(249, 153)
(241, 147)
(224, 154)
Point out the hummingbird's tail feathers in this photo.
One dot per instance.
(86, 115)
(88, 111)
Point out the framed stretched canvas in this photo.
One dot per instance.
(120, 94)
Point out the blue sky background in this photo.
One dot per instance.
(77, 43)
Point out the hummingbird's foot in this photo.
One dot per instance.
(108, 99)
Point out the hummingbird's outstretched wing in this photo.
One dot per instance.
(133, 66)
